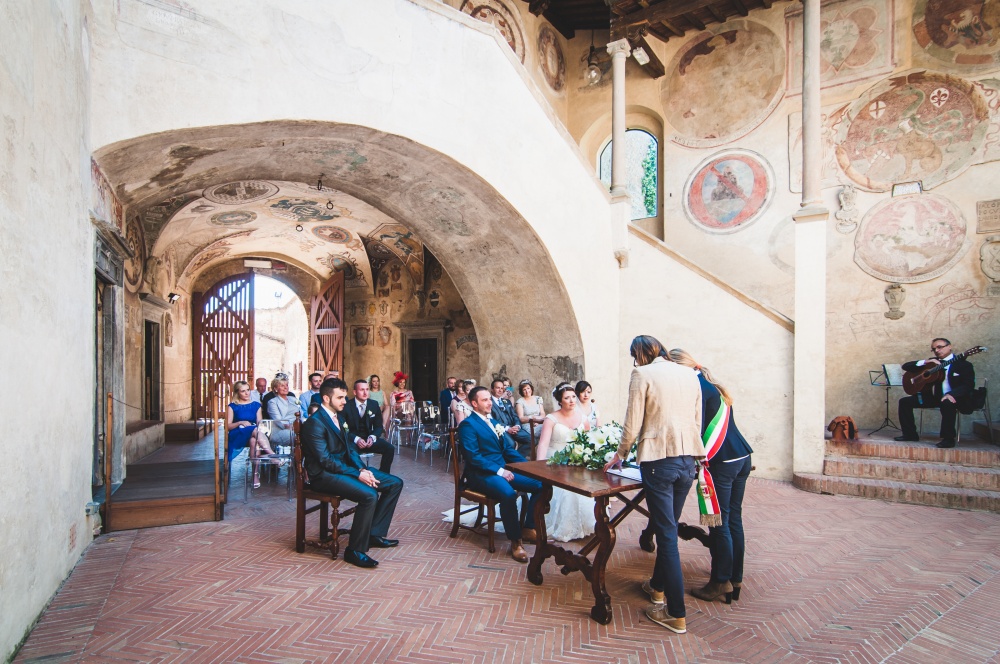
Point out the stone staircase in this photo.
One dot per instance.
(964, 477)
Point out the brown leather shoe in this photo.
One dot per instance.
(517, 551)
(713, 590)
(529, 535)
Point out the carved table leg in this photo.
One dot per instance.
(542, 539)
(606, 535)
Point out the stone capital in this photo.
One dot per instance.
(620, 46)
(811, 213)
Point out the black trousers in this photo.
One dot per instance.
(384, 448)
(949, 411)
(375, 506)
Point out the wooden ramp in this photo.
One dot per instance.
(176, 484)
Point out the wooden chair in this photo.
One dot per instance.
(328, 506)
(534, 443)
(484, 504)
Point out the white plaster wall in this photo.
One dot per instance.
(746, 351)
(46, 305)
(414, 68)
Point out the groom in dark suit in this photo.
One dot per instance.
(364, 421)
(334, 467)
(487, 450)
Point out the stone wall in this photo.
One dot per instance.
(47, 303)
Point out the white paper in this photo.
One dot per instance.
(628, 472)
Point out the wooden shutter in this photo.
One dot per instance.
(327, 321)
(224, 342)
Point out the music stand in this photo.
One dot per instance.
(889, 377)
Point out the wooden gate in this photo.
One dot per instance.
(327, 321)
(223, 342)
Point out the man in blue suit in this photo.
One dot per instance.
(504, 413)
(487, 449)
(334, 467)
(447, 394)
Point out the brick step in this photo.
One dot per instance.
(938, 474)
(965, 454)
(900, 492)
(982, 431)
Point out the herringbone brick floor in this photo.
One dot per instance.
(828, 579)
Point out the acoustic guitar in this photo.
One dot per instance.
(915, 381)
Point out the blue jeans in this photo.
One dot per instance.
(726, 541)
(667, 483)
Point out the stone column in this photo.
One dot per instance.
(809, 379)
(619, 51)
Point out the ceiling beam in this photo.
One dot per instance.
(695, 21)
(654, 67)
(740, 7)
(767, 3)
(715, 14)
(664, 11)
(672, 28)
(538, 7)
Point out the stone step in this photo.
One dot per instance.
(938, 474)
(965, 454)
(900, 492)
(983, 432)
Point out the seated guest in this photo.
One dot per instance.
(529, 407)
(508, 390)
(447, 394)
(334, 467)
(266, 399)
(315, 399)
(242, 420)
(315, 380)
(282, 409)
(504, 413)
(460, 406)
(313, 407)
(394, 407)
(375, 391)
(486, 453)
(364, 425)
(586, 404)
(261, 385)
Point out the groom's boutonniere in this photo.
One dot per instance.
(498, 428)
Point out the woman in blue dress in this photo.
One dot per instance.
(242, 417)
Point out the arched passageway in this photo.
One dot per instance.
(285, 190)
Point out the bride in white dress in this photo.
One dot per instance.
(570, 516)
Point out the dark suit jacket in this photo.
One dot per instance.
(961, 379)
(369, 425)
(735, 445)
(483, 451)
(504, 413)
(445, 400)
(325, 449)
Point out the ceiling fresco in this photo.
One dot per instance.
(193, 231)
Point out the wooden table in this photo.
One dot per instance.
(601, 487)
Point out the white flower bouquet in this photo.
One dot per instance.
(591, 449)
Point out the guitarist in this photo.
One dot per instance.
(958, 383)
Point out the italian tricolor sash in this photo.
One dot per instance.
(712, 439)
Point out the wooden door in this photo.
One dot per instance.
(223, 342)
(327, 321)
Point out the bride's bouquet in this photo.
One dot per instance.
(590, 449)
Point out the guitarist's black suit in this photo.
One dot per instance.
(960, 383)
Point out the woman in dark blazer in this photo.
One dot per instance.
(729, 468)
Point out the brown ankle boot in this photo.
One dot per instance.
(517, 551)
(713, 590)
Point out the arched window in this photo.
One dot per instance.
(642, 171)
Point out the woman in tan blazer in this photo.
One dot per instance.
(664, 418)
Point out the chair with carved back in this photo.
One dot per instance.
(328, 506)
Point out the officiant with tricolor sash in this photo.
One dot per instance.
(722, 482)
(664, 420)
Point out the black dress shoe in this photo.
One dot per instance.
(946, 443)
(382, 542)
(904, 437)
(359, 559)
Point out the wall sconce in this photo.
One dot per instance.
(593, 73)
(641, 56)
(173, 297)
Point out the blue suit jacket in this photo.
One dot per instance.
(483, 451)
(735, 445)
(444, 399)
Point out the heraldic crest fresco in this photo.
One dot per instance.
(921, 126)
